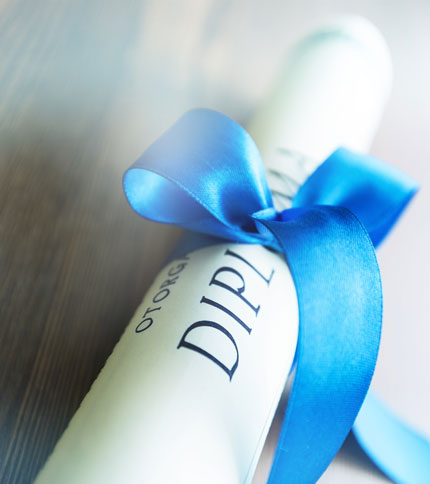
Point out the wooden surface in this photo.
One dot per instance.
(84, 88)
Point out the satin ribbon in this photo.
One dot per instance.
(205, 174)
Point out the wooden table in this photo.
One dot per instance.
(84, 88)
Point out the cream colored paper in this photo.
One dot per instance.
(160, 414)
(331, 93)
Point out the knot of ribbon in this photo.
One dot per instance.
(205, 174)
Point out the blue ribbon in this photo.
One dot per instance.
(205, 174)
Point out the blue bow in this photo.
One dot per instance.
(205, 174)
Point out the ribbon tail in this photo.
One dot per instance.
(377, 194)
(337, 280)
(400, 452)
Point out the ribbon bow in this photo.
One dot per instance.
(205, 174)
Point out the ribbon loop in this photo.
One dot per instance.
(377, 193)
(204, 174)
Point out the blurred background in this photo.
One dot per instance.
(85, 87)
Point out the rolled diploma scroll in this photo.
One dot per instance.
(190, 390)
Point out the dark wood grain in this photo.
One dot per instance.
(75, 260)
(84, 88)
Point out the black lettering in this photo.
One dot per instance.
(233, 254)
(150, 310)
(239, 291)
(157, 298)
(198, 349)
(227, 311)
(169, 282)
(142, 326)
(179, 268)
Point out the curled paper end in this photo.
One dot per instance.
(330, 93)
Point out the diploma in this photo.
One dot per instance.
(189, 392)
